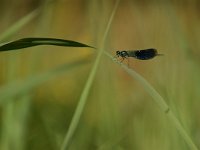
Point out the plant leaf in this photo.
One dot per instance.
(29, 42)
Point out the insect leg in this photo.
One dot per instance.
(128, 62)
(122, 59)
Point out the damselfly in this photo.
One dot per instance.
(138, 54)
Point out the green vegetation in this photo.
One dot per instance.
(59, 98)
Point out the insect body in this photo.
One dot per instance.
(138, 54)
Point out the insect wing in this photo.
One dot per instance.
(145, 54)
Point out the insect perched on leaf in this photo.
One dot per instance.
(138, 54)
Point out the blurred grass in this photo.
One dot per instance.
(119, 113)
(18, 25)
(159, 100)
(86, 89)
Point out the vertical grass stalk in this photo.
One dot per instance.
(84, 95)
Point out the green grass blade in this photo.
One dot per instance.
(29, 42)
(18, 25)
(160, 101)
(21, 87)
(82, 101)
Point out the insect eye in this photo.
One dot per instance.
(118, 53)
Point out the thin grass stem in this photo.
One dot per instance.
(159, 100)
(84, 95)
(18, 25)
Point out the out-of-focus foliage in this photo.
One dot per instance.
(119, 114)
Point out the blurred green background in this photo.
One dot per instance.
(38, 99)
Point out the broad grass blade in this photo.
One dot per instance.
(30, 42)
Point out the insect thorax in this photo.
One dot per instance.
(123, 54)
